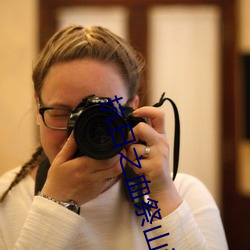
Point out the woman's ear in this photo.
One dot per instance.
(134, 102)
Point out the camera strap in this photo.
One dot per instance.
(176, 132)
(41, 175)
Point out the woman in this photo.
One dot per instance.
(81, 203)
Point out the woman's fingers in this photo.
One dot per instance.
(67, 152)
(156, 116)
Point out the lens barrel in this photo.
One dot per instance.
(93, 135)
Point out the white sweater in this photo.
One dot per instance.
(107, 222)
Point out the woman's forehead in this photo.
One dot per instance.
(71, 81)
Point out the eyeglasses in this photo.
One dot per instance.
(55, 118)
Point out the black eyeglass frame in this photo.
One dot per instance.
(42, 111)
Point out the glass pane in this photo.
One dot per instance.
(114, 18)
(184, 62)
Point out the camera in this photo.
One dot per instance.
(95, 122)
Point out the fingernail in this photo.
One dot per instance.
(135, 112)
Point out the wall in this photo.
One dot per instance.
(244, 27)
(18, 41)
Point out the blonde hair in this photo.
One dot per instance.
(35, 159)
(76, 42)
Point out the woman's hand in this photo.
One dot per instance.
(80, 179)
(155, 167)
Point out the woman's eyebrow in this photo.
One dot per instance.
(60, 105)
(55, 104)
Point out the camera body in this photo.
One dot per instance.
(95, 121)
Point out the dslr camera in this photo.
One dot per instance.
(95, 121)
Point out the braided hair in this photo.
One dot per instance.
(35, 159)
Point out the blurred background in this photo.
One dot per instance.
(197, 51)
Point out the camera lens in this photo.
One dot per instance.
(99, 133)
(93, 135)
